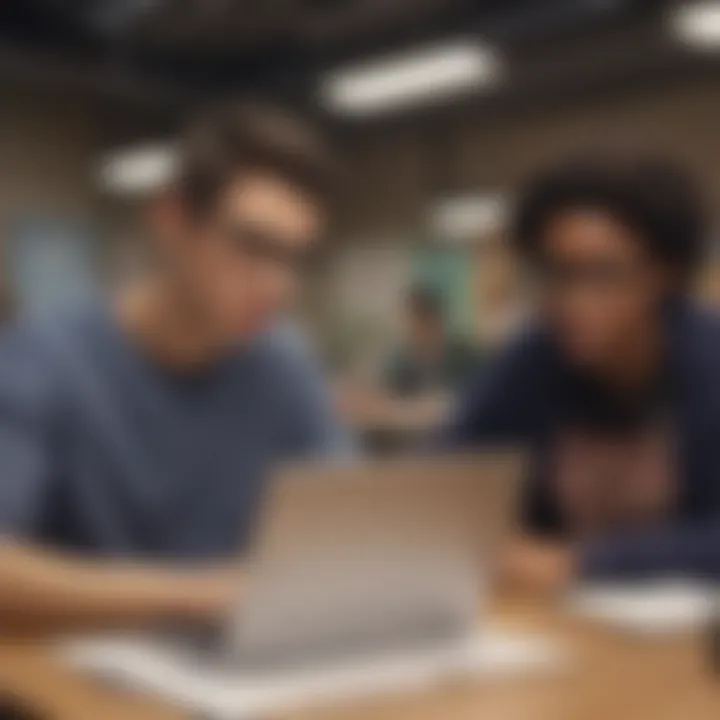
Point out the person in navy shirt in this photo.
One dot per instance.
(615, 386)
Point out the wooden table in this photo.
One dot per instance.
(613, 677)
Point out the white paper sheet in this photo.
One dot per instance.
(653, 608)
(165, 671)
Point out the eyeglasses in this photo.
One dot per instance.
(595, 276)
(259, 245)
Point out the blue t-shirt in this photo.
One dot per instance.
(104, 450)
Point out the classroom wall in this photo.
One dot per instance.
(54, 223)
(49, 146)
(399, 170)
(47, 149)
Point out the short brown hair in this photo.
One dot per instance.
(229, 138)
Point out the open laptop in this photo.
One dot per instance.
(369, 557)
(362, 576)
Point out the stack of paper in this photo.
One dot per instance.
(230, 693)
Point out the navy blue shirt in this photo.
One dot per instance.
(525, 397)
(103, 450)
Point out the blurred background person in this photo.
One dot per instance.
(410, 393)
(432, 359)
(617, 389)
(143, 429)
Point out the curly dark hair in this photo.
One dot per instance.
(649, 194)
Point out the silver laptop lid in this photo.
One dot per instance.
(371, 556)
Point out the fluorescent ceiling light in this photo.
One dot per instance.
(467, 217)
(432, 73)
(698, 24)
(138, 170)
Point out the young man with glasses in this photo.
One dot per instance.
(616, 388)
(139, 434)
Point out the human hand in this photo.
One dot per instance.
(536, 567)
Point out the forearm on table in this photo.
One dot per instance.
(42, 588)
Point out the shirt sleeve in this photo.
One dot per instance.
(691, 548)
(500, 403)
(25, 436)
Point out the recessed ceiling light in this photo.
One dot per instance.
(468, 216)
(139, 169)
(423, 75)
(698, 24)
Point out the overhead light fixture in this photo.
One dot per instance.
(466, 217)
(429, 74)
(138, 170)
(697, 24)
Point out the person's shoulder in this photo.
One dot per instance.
(696, 351)
(286, 352)
(38, 335)
(283, 342)
(700, 324)
(521, 375)
(27, 376)
(697, 344)
(521, 369)
(288, 371)
(29, 343)
(23, 343)
(529, 349)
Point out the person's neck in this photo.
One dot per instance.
(639, 363)
(155, 317)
